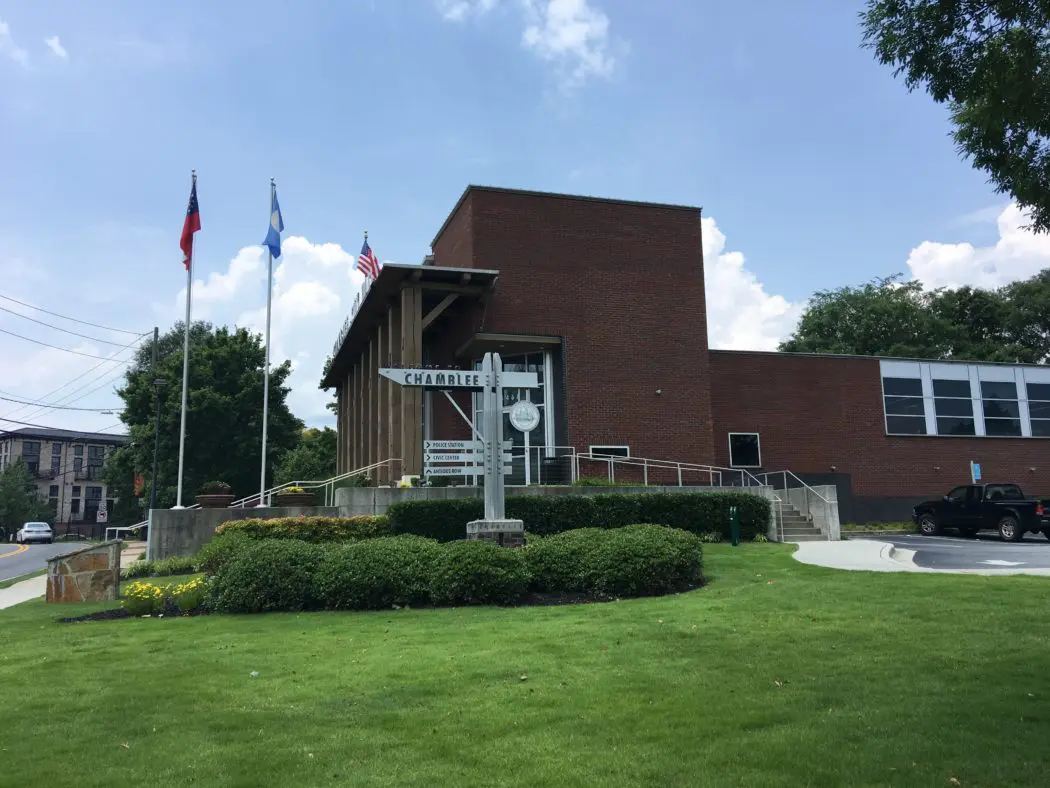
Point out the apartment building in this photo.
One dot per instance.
(67, 466)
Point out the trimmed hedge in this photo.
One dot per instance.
(478, 572)
(549, 514)
(269, 575)
(220, 550)
(377, 573)
(176, 565)
(635, 560)
(310, 529)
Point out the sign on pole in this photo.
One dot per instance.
(457, 378)
(975, 472)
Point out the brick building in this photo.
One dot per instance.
(604, 299)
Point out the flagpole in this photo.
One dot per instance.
(266, 376)
(185, 367)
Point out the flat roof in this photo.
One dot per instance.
(558, 196)
(72, 436)
(880, 358)
(392, 277)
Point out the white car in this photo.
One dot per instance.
(35, 532)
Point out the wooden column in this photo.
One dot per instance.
(359, 414)
(394, 444)
(411, 396)
(373, 402)
(340, 431)
(382, 400)
(347, 447)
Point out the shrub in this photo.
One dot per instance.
(478, 572)
(310, 529)
(548, 514)
(189, 596)
(562, 562)
(271, 574)
(136, 569)
(594, 481)
(760, 538)
(643, 560)
(143, 599)
(710, 537)
(215, 488)
(376, 573)
(221, 549)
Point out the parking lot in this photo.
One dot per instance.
(985, 552)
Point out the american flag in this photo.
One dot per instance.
(367, 263)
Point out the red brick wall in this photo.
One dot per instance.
(623, 286)
(812, 413)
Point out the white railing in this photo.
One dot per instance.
(706, 475)
(818, 509)
(327, 485)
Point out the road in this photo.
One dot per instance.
(17, 560)
(985, 552)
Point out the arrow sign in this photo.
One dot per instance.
(457, 378)
(453, 470)
(466, 457)
(460, 445)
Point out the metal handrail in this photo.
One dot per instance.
(646, 463)
(807, 490)
(327, 484)
(801, 483)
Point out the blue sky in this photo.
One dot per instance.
(815, 167)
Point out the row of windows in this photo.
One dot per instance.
(953, 407)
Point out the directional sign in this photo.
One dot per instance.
(458, 379)
(459, 470)
(466, 457)
(432, 446)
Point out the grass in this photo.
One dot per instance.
(11, 581)
(776, 674)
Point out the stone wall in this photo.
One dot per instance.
(175, 532)
(91, 574)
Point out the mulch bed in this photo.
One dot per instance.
(119, 612)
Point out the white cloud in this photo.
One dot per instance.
(1018, 254)
(571, 34)
(8, 47)
(741, 315)
(56, 46)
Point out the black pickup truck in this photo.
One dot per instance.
(976, 507)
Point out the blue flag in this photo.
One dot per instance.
(273, 235)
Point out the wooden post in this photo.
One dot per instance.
(373, 401)
(383, 401)
(340, 431)
(412, 397)
(394, 438)
(359, 413)
(369, 425)
(348, 441)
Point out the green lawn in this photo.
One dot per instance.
(775, 674)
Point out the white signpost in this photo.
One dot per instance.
(487, 455)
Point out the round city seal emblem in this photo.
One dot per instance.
(524, 416)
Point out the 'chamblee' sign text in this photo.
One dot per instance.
(457, 379)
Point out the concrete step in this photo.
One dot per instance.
(799, 531)
(794, 519)
(817, 537)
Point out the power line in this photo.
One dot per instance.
(55, 407)
(53, 347)
(110, 360)
(73, 319)
(40, 426)
(58, 328)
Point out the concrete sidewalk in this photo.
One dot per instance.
(869, 555)
(23, 592)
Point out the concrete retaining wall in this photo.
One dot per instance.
(175, 532)
(823, 513)
(91, 574)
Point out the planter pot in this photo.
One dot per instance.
(295, 499)
(214, 501)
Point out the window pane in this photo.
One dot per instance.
(56, 448)
(951, 388)
(743, 451)
(76, 491)
(1000, 409)
(902, 387)
(906, 425)
(1002, 426)
(997, 389)
(1039, 410)
(954, 407)
(1041, 428)
(904, 406)
(53, 491)
(1039, 391)
(953, 426)
(78, 451)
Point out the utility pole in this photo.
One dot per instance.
(157, 384)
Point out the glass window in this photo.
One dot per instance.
(998, 389)
(76, 491)
(74, 506)
(1039, 391)
(1002, 414)
(56, 449)
(904, 406)
(78, 465)
(94, 493)
(1041, 428)
(955, 426)
(31, 448)
(954, 407)
(744, 450)
(53, 491)
(902, 387)
(906, 425)
(1001, 409)
(958, 495)
(1003, 428)
(951, 388)
(78, 451)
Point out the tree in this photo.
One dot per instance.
(19, 501)
(224, 414)
(312, 460)
(334, 404)
(989, 60)
(888, 317)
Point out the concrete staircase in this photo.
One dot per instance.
(796, 528)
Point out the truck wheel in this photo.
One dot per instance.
(1010, 529)
(928, 525)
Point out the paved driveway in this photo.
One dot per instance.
(984, 553)
(17, 560)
